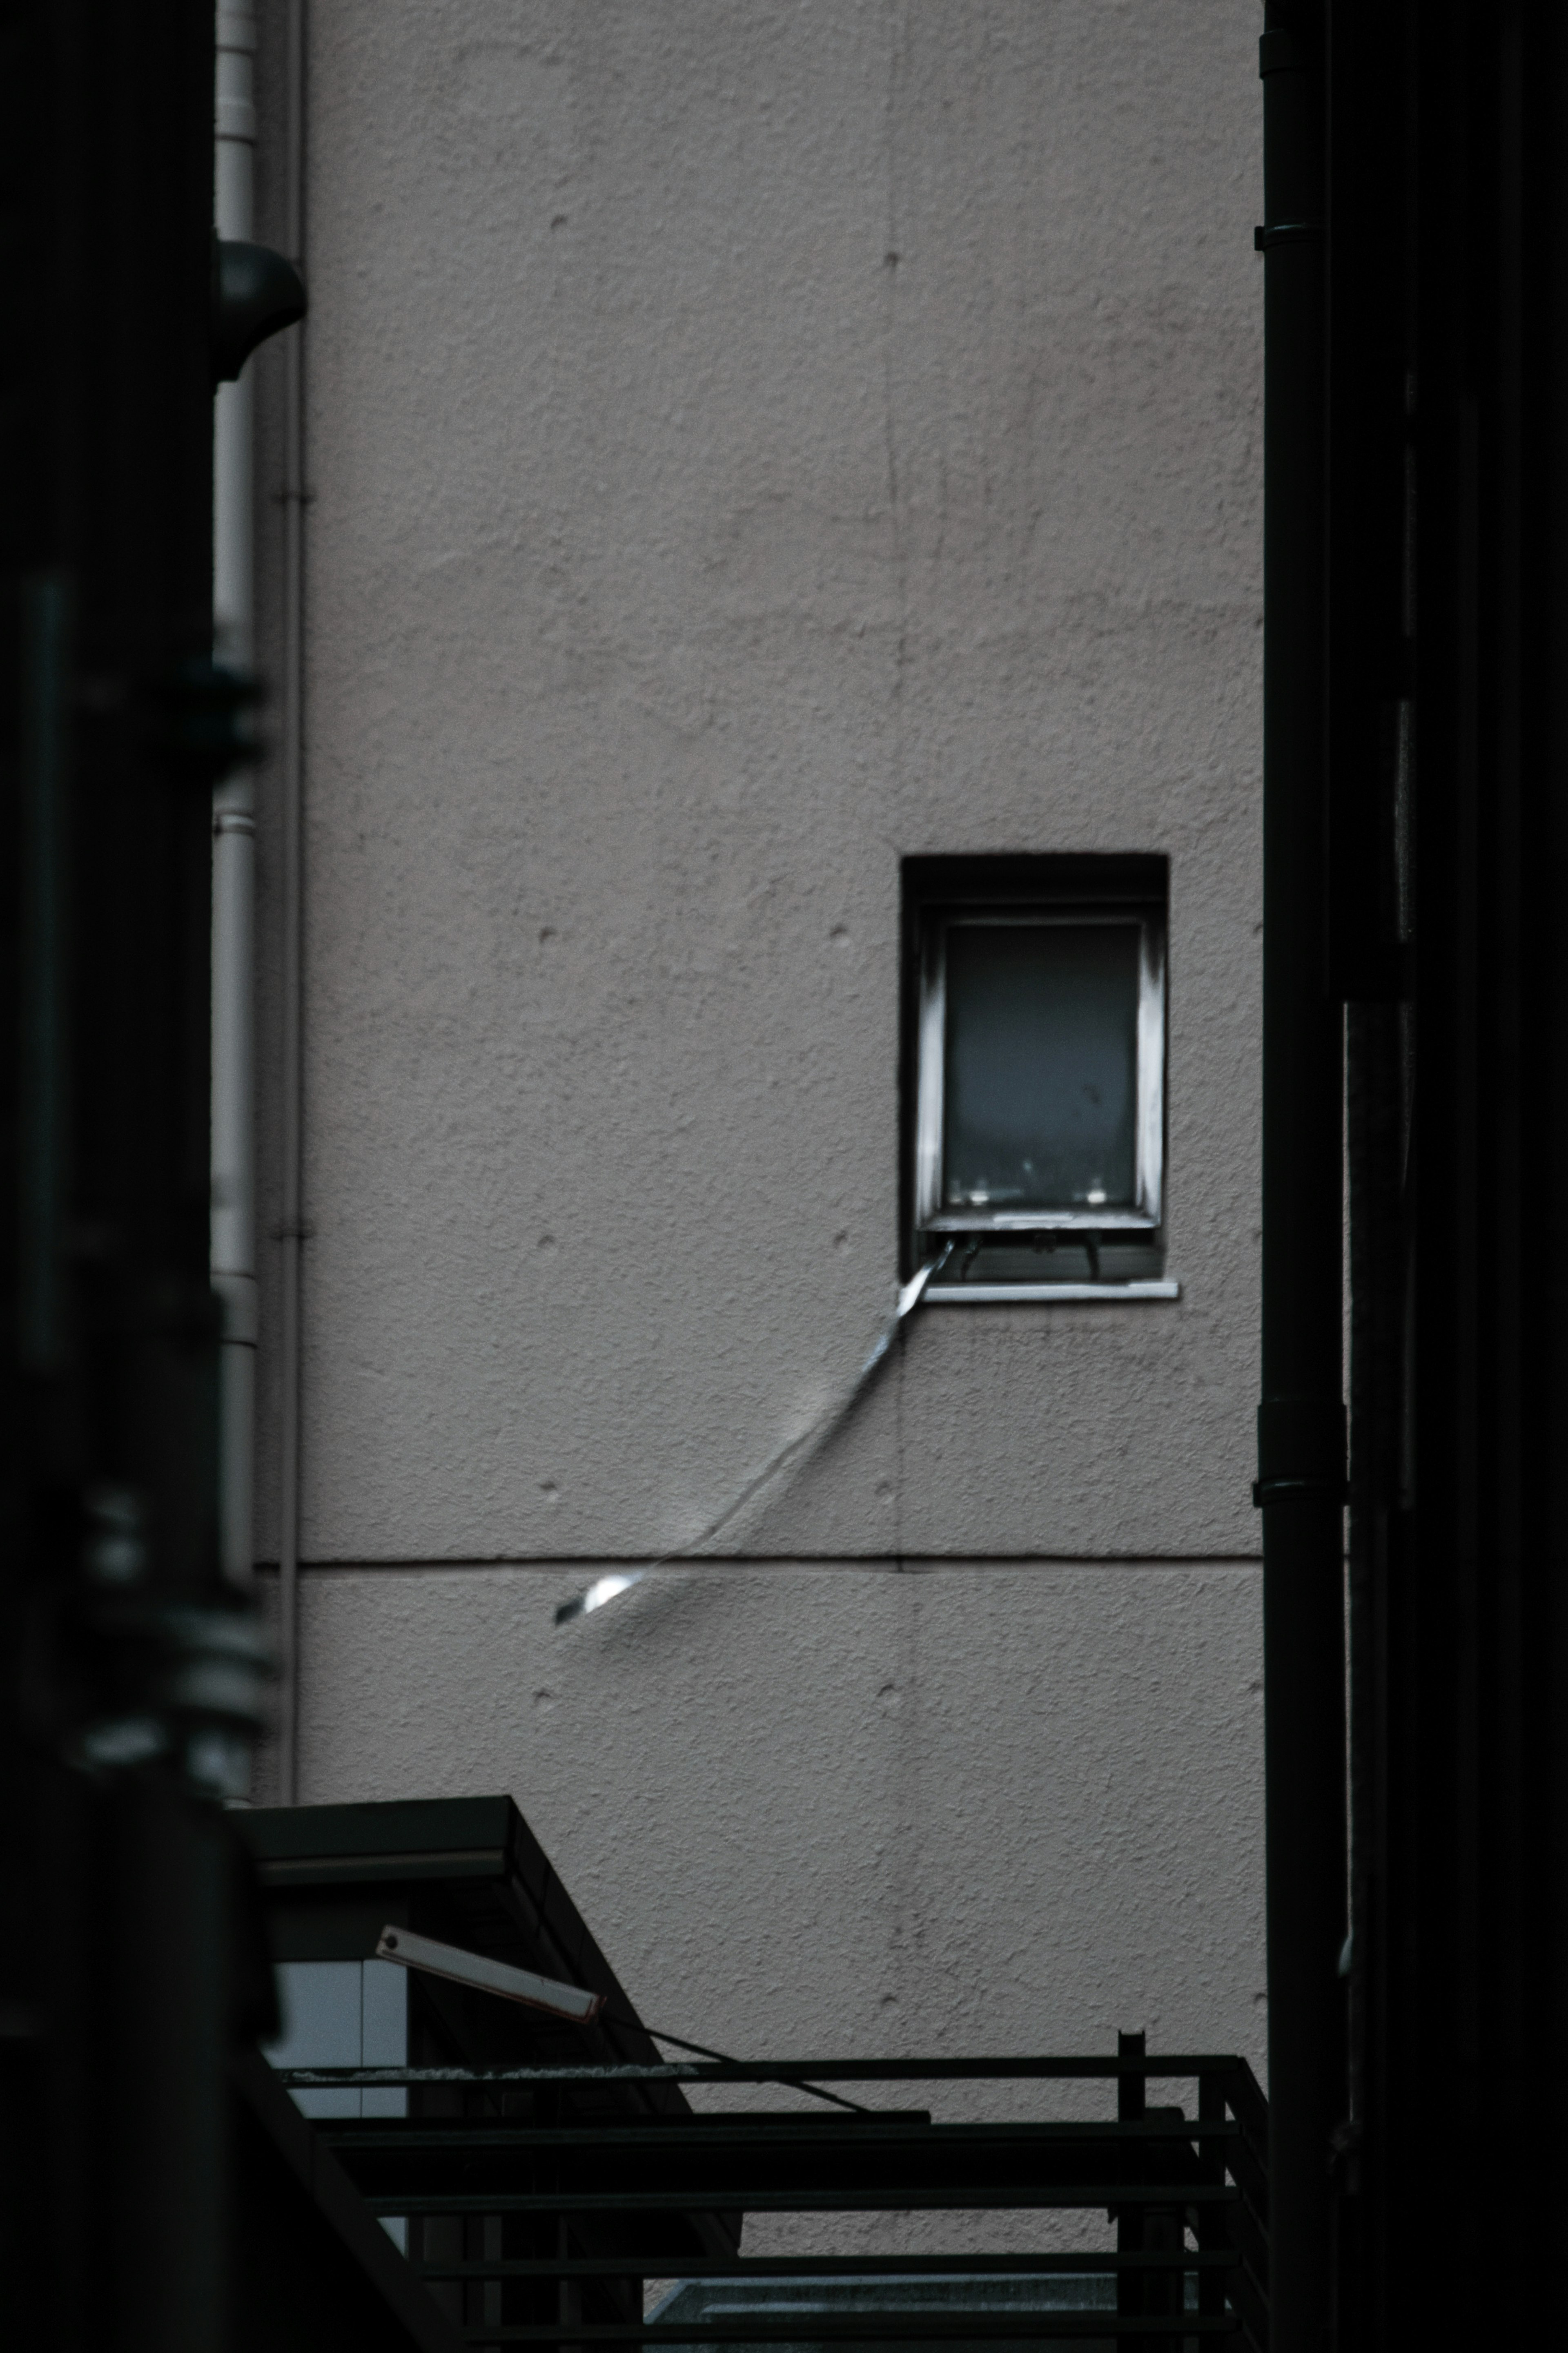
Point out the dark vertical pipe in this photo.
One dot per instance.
(128, 1672)
(1300, 1422)
(1369, 786)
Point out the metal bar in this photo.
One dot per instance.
(1249, 2170)
(845, 2267)
(789, 2071)
(874, 2328)
(1006, 2198)
(1252, 2248)
(1211, 2230)
(1244, 2097)
(1130, 2106)
(1248, 2301)
(784, 2135)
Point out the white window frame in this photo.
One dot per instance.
(1145, 1216)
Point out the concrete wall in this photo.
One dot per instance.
(750, 442)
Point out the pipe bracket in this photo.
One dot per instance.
(1298, 1491)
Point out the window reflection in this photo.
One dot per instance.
(1040, 1085)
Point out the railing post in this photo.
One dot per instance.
(1131, 2090)
(1213, 2232)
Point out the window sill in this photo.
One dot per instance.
(1007, 1225)
(1033, 1294)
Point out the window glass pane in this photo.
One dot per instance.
(321, 2003)
(384, 2042)
(345, 2014)
(1040, 1088)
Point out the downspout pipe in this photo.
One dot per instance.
(1300, 1421)
(292, 860)
(232, 1130)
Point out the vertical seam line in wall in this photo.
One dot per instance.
(890, 264)
(890, 273)
(898, 1453)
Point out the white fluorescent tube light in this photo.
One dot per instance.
(477, 1969)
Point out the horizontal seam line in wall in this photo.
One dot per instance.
(575, 1563)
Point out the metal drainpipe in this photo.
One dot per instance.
(233, 1216)
(1300, 1422)
(291, 974)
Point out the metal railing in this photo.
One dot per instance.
(539, 2220)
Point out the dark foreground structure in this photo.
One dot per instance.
(1416, 604)
(1416, 1036)
(540, 2173)
(131, 1968)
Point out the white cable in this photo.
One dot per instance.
(621, 1580)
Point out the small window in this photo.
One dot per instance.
(1034, 1068)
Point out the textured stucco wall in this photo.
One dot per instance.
(750, 442)
(845, 1808)
(677, 560)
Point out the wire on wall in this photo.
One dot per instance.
(793, 1450)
